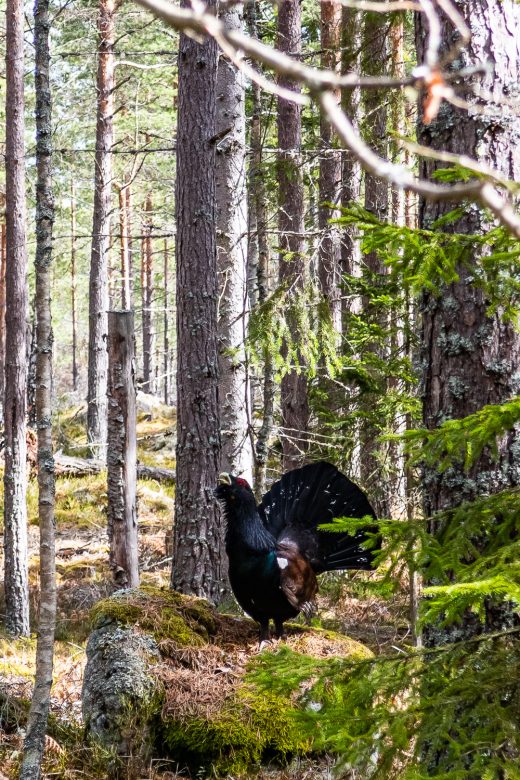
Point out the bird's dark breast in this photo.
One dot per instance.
(256, 584)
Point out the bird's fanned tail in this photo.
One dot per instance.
(308, 497)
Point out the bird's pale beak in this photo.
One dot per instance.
(224, 478)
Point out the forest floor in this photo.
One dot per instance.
(348, 603)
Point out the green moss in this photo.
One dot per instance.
(252, 725)
(165, 614)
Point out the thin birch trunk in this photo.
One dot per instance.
(15, 474)
(73, 284)
(99, 267)
(231, 202)
(126, 303)
(329, 255)
(166, 325)
(38, 714)
(147, 301)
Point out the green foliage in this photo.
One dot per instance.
(430, 259)
(294, 327)
(462, 440)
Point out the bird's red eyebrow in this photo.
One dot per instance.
(243, 482)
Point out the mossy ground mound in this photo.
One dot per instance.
(213, 716)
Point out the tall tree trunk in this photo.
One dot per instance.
(38, 713)
(147, 288)
(377, 202)
(470, 357)
(126, 302)
(122, 450)
(15, 476)
(2, 317)
(98, 283)
(198, 557)
(231, 203)
(351, 169)
(294, 400)
(329, 258)
(166, 327)
(73, 284)
(258, 207)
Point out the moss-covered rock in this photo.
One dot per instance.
(173, 674)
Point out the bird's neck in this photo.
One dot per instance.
(246, 530)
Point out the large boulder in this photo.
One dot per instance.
(169, 677)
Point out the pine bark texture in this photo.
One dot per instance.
(471, 359)
(330, 176)
(126, 298)
(122, 450)
(99, 264)
(198, 558)
(231, 203)
(39, 710)
(15, 477)
(294, 400)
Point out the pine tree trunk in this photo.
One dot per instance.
(15, 476)
(122, 450)
(99, 265)
(471, 359)
(294, 401)
(198, 557)
(73, 285)
(147, 288)
(231, 203)
(329, 259)
(38, 713)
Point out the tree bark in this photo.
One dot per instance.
(15, 477)
(126, 296)
(231, 203)
(38, 714)
(147, 289)
(377, 202)
(294, 400)
(198, 558)
(471, 359)
(329, 257)
(2, 317)
(122, 450)
(99, 265)
(73, 284)
(166, 327)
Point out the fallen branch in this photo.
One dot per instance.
(65, 465)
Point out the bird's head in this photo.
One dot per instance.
(230, 488)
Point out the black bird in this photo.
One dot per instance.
(275, 550)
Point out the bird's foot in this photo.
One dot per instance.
(263, 643)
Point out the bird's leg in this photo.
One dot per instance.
(280, 631)
(264, 638)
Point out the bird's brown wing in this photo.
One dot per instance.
(297, 579)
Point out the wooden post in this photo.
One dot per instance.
(121, 452)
